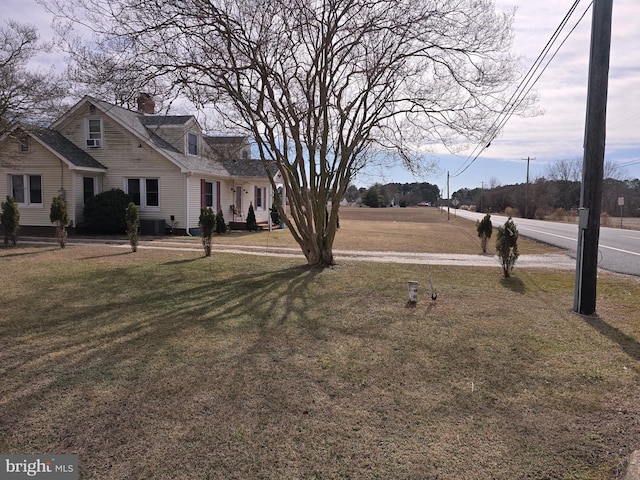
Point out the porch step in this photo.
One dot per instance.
(243, 225)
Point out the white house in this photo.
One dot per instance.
(164, 162)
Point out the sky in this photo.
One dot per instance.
(557, 134)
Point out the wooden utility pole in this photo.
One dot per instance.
(526, 191)
(593, 163)
(448, 198)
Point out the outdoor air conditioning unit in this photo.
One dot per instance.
(152, 227)
(93, 142)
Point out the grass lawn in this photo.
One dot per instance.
(166, 364)
(418, 230)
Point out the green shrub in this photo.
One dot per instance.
(10, 220)
(221, 225)
(252, 225)
(275, 216)
(207, 223)
(132, 219)
(507, 246)
(60, 217)
(485, 230)
(105, 213)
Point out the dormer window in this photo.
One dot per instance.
(94, 132)
(25, 145)
(192, 141)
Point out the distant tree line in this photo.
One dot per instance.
(394, 194)
(558, 190)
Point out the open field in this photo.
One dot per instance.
(417, 230)
(166, 364)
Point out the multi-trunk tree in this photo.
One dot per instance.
(323, 86)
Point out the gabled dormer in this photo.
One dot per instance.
(229, 147)
(180, 131)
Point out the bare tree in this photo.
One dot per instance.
(323, 86)
(26, 96)
(494, 182)
(570, 170)
(566, 170)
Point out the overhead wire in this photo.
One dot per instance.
(629, 163)
(525, 86)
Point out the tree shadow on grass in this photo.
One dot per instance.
(35, 250)
(628, 344)
(107, 255)
(514, 284)
(134, 322)
(184, 261)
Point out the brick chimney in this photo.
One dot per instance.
(146, 104)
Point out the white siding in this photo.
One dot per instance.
(125, 157)
(55, 176)
(248, 197)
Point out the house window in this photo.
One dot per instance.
(25, 144)
(88, 187)
(192, 140)
(26, 189)
(133, 189)
(94, 132)
(260, 198)
(144, 192)
(208, 194)
(152, 193)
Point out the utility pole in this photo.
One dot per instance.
(593, 163)
(448, 198)
(526, 191)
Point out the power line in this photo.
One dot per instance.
(629, 163)
(523, 88)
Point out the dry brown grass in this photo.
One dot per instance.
(168, 365)
(418, 230)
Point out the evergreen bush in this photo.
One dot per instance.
(275, 216)
(105, 213)
(485, 230)
(507, 246)
(252, 225)
(221, 225)
(207, 223)
(132, 219)
(10, 220)
(60, 217)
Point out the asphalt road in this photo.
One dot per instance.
(619, 250)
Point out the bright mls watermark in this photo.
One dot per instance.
(49, 467)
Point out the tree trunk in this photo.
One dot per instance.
(319, 256)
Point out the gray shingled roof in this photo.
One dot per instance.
(248, 168)
(161, 142)
(66, 148)
(158, 120)
(235, 140)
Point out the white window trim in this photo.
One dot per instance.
(213, 195)
(197, 144)
(143, 192)
(95, 186)
(88, 139)
(24, 144)
(27, 191)
(263, 198)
